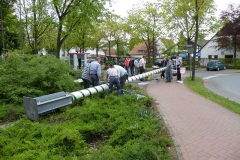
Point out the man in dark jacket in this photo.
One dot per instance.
(163, 64)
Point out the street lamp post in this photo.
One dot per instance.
(190, 51)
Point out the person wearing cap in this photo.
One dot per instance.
(178, 64)
(113, 77)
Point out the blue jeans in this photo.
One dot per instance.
(168, 75)
(86, 83)
(115, 80)
(127, 68)
(94, 79)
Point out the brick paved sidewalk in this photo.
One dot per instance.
(201, 129)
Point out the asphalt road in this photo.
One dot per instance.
(225, 83)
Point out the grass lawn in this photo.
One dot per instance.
(198, 87)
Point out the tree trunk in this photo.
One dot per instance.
(59, 42)
(235, 46)
(109, 48)
(97, 48)
(195, 41)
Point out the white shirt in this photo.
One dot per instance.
(178, 61)
(121, 70)
(142, 63)
(112, 72)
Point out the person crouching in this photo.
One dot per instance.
(113, 77)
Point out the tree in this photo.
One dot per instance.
(144, 25)
(79, 37)
(190, 18)
(69, 14)
(37, 21)
(120, 36)
(108, 29)
(228, 38)
(9, 30)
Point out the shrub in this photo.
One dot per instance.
(33, 76)
(108, 127)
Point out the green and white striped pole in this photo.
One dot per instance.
(89, 91)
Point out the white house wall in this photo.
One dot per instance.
(209, 49)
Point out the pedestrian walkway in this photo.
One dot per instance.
(201, 129)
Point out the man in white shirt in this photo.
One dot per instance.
(142, 65)
(123, 76)
(113, 77)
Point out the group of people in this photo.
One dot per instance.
(168, 63)
(133, 66)
(115, 74)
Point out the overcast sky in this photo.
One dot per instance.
(122, 6)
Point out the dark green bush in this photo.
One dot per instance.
(231, 63)
(102, 128)
(34, 76)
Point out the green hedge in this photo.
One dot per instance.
(98, 128)
(231, 63)
(33, 76)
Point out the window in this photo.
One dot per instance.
(212, 56)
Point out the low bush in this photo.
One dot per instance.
(98, 127)
(34, 76)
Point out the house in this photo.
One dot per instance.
(112, 53)
(161, 46)
(209, 51)
(138, 50)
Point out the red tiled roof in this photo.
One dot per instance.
(139, 49)
(112, 52)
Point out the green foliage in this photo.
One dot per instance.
(231, 63)
(10, 113)
(34, 76)
(10, 25)
(107, 63)
(103, 127)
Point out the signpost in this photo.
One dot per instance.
(182, 71)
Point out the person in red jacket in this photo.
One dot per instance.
(126, 64)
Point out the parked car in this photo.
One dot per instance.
(215, 65)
